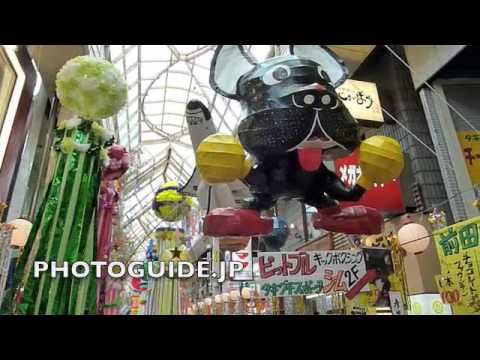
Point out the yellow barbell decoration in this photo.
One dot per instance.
(221, 159)
(381, 161)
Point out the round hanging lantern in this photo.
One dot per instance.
(169, 204)
(92, 88)
(235, 295)
(208, 301)
(218, 298)
(246, 293)
(20, 232)
(413, 238)
(226, 297)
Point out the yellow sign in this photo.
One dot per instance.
(458, 249)
(470, 144)
(361, 99)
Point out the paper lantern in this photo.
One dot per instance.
(20, 232)
(235, 295)
(92, 88)
(246, 293)
(208, 301)
(226, 297)
(221, 159)
(413, 238)
(380, 159)
(201, 305)
(218, 299)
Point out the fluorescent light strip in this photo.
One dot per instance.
(14, 100)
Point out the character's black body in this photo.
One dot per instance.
(281, 176)
(289, 102)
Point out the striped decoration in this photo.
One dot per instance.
(164, 298)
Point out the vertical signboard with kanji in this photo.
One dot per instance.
(459, 254)
(470, 144)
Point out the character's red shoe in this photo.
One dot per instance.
(358, 220)
(236, 222)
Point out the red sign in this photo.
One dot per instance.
(386, 198)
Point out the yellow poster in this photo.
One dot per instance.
(458, 250)
(470, 144)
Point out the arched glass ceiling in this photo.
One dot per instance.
(161, 80)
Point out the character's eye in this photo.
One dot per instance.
(323, 74)
(276, 75)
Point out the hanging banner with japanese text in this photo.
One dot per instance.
(470, 144)
(386, 198)
(458, 250)
(315, 272)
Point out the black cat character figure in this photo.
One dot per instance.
(292, 120)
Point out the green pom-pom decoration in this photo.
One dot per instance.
(92, 88)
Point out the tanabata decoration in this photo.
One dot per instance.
(65, 227)
(116, 166)
(112, 297)
(292, 121)
(92, 88)
(437, 219)
(163, 298)
(152, 252)
(169, 204)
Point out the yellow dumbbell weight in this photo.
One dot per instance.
(381, 161)
(221, 159)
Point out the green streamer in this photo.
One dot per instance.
(64, 230)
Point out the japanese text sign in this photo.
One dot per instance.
(305, 273)
(470, 144)
(386, 198)
(361, 99)
(458, 250)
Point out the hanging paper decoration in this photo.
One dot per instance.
(163, 298)
(92, 88)
(65, 227)
(292, 120)
(116, 166)
(112, 297)
(169, 204)
(437, 218)
(152, 252)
